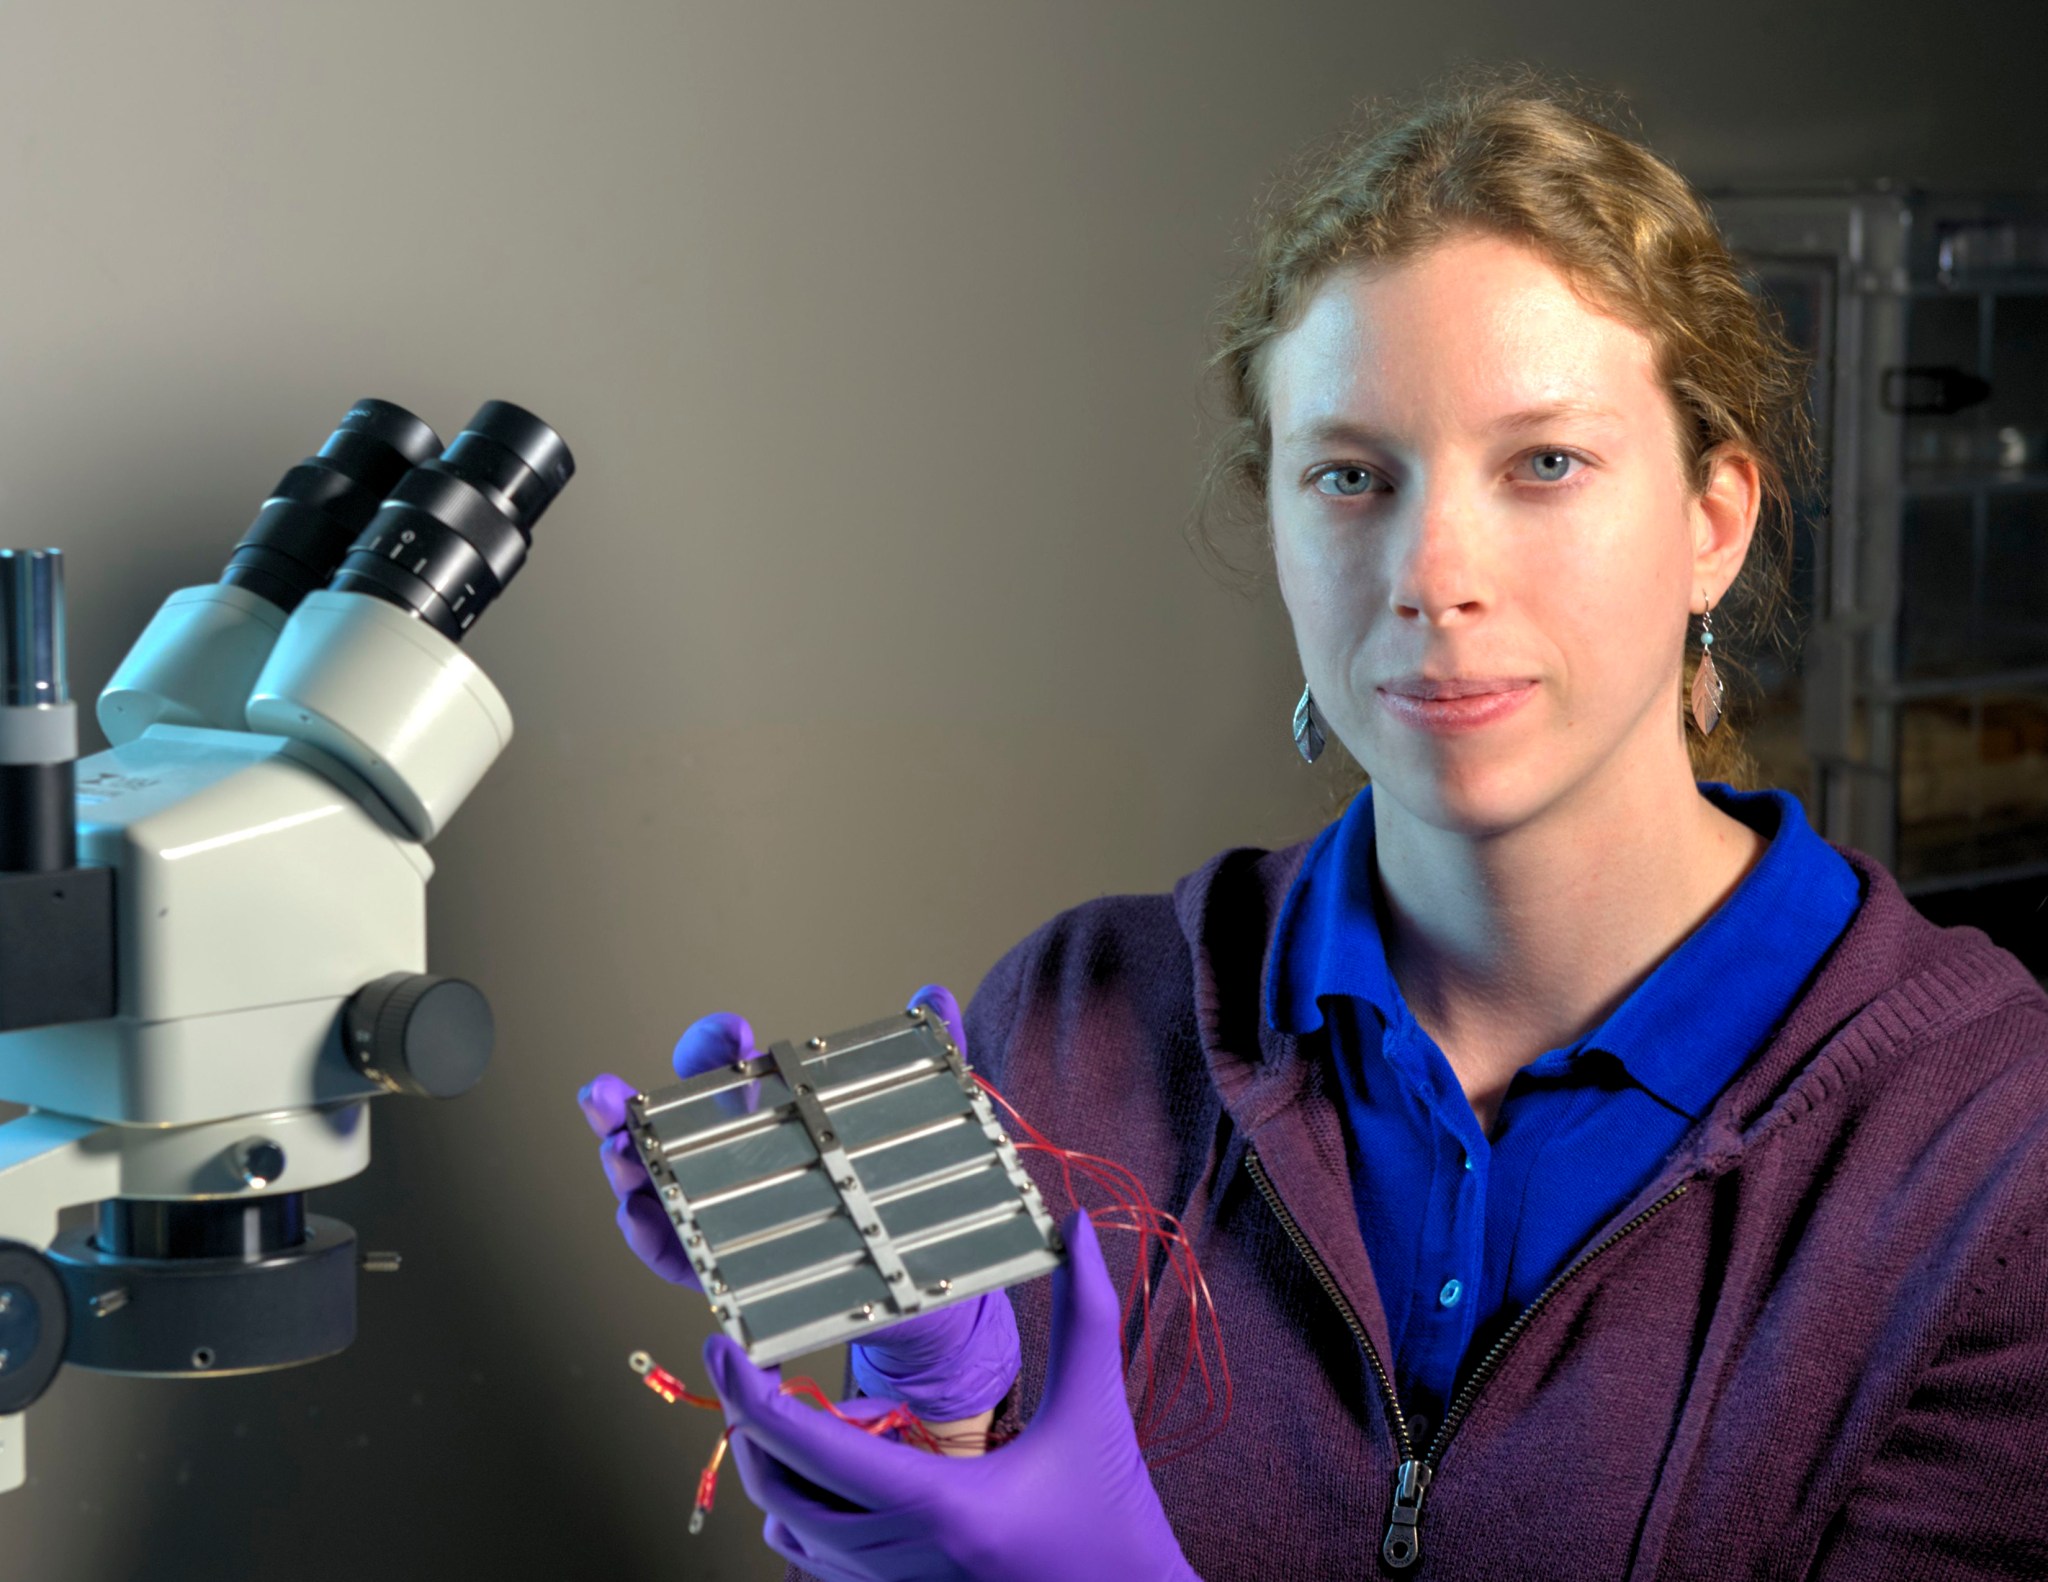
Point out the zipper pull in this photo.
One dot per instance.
(1402, 1547)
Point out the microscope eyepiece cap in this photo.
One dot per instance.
(454, 531)
(544, 452)
(306, 526)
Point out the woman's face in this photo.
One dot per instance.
(1485, 533)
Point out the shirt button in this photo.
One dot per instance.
(1449, 1295)
(1468, 1161)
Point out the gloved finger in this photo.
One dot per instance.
(837, 1457)
(782, 1493)
(713, 1041)
(820, 1534)
(784, 1540)
(719, 1040)
(653, 1238)
(949, 1364)
(1084, 1365)
(621, 1164)
(851, 1565)
(946, 1008)
(603, 1102)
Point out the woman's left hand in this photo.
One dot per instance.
(1069, 1497)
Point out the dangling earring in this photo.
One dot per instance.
(1706, 681)
(1308, 728)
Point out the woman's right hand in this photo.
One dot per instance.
(717, 1040)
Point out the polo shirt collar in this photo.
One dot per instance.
(1685, 1029)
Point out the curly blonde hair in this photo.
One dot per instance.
(1515, 155)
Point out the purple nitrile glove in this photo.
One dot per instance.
(1068, 1498)
(946, 1365)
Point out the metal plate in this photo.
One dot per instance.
(821, 1192)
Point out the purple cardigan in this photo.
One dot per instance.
(1815, 1345)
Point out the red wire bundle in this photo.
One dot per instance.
(1126, 1205)
(1120, 1202)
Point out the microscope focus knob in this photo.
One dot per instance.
(413, 1033)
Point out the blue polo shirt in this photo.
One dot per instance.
(1463, 1230)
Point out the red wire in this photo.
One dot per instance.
(1129, 1207)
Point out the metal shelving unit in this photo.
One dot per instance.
(1915, 723)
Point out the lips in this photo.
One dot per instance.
(1432, 687)
(1448, 704)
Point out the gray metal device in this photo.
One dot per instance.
(824, 1191)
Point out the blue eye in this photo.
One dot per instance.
(1344, 482)
(1552, 466)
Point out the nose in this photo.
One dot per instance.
(1441, 574)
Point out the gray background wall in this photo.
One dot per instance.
(866, 637)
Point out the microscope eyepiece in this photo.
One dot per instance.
(321, 505)
(455, 530)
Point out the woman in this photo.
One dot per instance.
(1597, 1173)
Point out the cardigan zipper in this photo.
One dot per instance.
(1402, 1546)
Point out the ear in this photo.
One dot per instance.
(1724, 520)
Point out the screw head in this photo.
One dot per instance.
(814, 1043)
(258, 1161)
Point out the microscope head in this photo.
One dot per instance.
(368, 670)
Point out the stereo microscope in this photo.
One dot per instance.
(213, 934)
